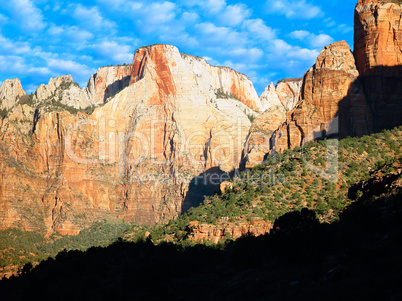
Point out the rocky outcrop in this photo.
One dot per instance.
(10, 93)
(200, 232)
(210, 80)
(269, 98)
(378, 52)
(276, 102)
(107, 82)
(288, 91)
(153, 150)
(62, 90)
(333, 103)
(285, 94)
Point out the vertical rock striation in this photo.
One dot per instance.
(10, 92)
(378, 52)
(107, 82)
(153, 150)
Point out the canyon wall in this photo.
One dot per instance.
(378, 52)
(148, 154)
(10, 92)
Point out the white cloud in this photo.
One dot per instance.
(15, 47)
(111, 50)
(28, 16)
(92, 19)
(12, 64)
(293, 9)
(234, 14)
(316, 41)
(285, 50)
(300, 34)
(329, 22)
(213, 6)
(209, 6)
(68, 67)
(244, 55)
(343, 28)
(3, 19)
(70, 33)
(212, 35)
(155, 17)
(190, 17)
(259, 30)
(303, 54)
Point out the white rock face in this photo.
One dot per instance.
(288, 92)
(62, 89)
(107, 82)
(285, 94)
(269, 98)
(10, 92)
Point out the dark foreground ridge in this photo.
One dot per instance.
(356, 258)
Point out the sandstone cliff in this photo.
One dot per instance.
(10, 92)
(137, 157)
(227, 230)
(276, 101)
(333, 103)
(378, 52)
(107, 82)
(64, 91)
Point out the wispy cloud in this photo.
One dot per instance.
(234, 14)
(259, 29)
(212, 35)
(315, 41)
(69, 33)
(14, 47)
(24, 12)
(91, 18)
(118, 53)
(293, 9)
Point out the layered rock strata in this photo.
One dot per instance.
(148, 154)
(276, 102)
(378, 52)
(107, 82)
(10, 93)
(200, 232)
(333, 103)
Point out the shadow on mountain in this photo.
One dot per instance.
(203, 185)
(380, 108)
(356, 258)
(114, 88)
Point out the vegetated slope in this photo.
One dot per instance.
(285, 183)
(355, 258)
(316, 176)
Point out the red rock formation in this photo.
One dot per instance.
(378, 52)
(107, 82)
(10, 92)
(166, 69)
(224, 229)
(134, 157)
(332, 102)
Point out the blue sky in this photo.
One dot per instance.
(267, 40)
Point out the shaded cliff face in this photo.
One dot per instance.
(288, 91)
(107, 82)
(276, 102)
(136, 157)
(10, 92)
(378, 52)
(332, 104)
(225, 229)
